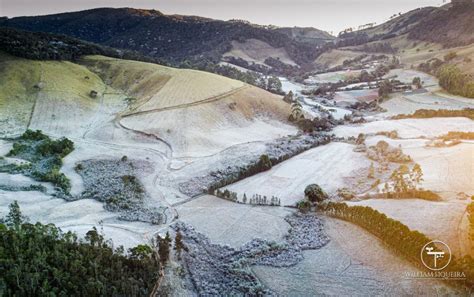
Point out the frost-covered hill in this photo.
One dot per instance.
(188, 109)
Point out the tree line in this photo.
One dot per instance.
(256, 199)
(264, 163)
(47, 46)
(440, 113)
(451, 78)
(398, 236)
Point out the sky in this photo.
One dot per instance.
(328, 15)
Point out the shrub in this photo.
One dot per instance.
(56, 178)
(33, 135)
(17, 149)
(61, 147)
(390, 134)
(440, 113)
(426, 195)
(450, 56)
(45, 156)
(417, 82)
(314, 193)
(458, 135)
(454, 81)
(303, 205)
(264, 163)
(93, 94)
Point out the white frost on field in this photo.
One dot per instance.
(337, 112)
(409, 128)
(437, 220)
(226, 222)
(204, 129)
(332, 77)
(447, 170)
(328, 166)
(96, 150)
(234, 66)
(5, 147)
(19, 180)
(288, 86)
(354, 263)
(78, 216)
(408, 104)
(192, 137)
(407, 76)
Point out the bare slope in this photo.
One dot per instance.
(196, 113)
(257, 51)
(49, 95)
(17, 92)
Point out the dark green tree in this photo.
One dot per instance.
(40, 260)
(417, 82)
(314, 193)
(385, 88)
(15, 218)
(141, 252)
(264, 163)
(178, 243)
(163, 250)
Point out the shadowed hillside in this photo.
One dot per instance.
(451, 27)
(173, 38)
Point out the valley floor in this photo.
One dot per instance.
(352, 261)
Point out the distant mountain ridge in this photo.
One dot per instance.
(173, 38)
(447, 25)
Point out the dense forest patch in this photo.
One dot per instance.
(41, 260)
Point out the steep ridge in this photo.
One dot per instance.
(173, 38)
(450, 26)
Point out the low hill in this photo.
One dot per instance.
(196, 113)
(192, 112)
(173, 38)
